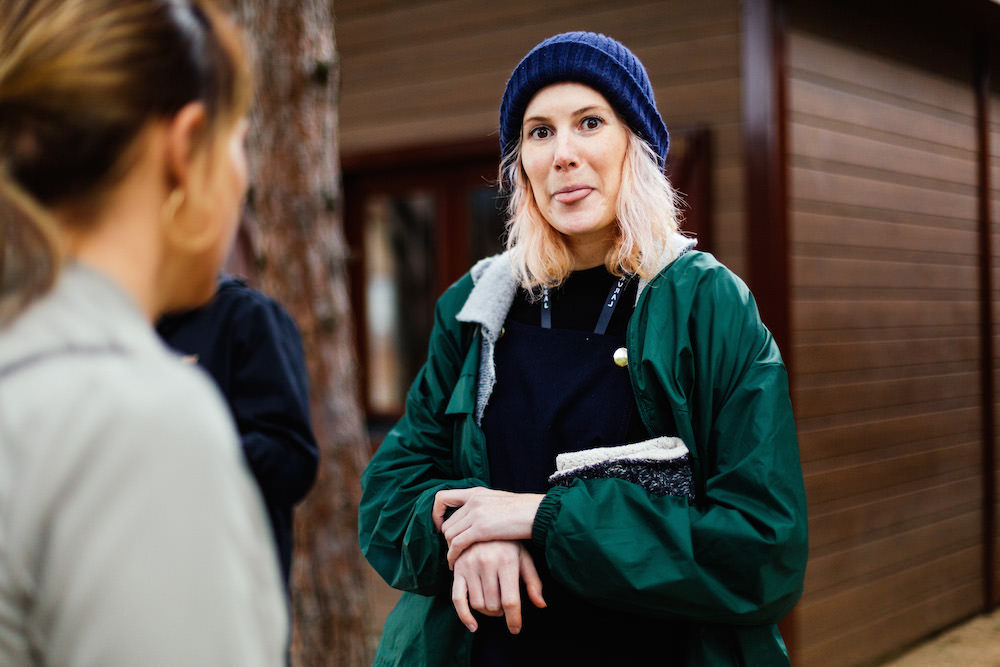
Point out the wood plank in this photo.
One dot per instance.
(858, 68)
(878, 479)
(861, 335)
(847, 234)
(817, 101)
(835, 420)
(408, 132)
(905, 371)
(502, 45)
(407, 25)
(870, 397)
(417, 21)
(890, 437)
(826, 272)
(855, 192)
(841, 526)
(847, 209)
(902, 626)
(880, 354)
(691, 61)
(848, 150)
(698, 102)
(841, 570)
(837, 614)
(861, 312)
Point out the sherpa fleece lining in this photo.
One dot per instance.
(655, 449)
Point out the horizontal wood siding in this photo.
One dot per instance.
(885, 321)
(422, 72)
(994, 112)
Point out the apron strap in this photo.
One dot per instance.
(603, 321)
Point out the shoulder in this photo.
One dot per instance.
(245, 316)
(153, 408)
(168, 403)
(237, 297)
(698, 280)
(95, 422)
(454, 298)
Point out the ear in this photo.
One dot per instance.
(182, 215)
(185, 134)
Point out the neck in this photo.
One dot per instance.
(589, 252)
(121, 245)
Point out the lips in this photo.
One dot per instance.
(572, 194)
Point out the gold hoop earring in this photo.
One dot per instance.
(170, 207)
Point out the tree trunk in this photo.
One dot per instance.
(293, 233)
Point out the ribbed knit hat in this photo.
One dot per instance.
(595, 60)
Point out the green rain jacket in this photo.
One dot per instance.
(729, 565)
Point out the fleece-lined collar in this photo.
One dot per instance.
(495, 286)
(493, 292)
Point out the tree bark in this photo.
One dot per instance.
(293, 233)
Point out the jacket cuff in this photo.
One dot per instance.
(546, 514)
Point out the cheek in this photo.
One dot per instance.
(536, 177)
(238, 162)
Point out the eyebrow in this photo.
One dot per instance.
(578, 112)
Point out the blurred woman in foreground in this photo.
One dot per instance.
(131, 532)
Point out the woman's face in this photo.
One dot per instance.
(572, 150)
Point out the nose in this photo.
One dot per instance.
(565, 155)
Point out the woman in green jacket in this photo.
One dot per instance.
(601, 344)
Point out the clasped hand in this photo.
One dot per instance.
(485, 552)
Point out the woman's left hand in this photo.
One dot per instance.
(483, 515)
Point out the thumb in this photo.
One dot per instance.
(445, 500)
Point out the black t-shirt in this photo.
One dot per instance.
(577, 303)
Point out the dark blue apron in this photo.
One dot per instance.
(559, 390)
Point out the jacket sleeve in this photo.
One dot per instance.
(414, 462)
(737, 555)
(269, 396)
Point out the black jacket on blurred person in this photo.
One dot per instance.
(253, 351)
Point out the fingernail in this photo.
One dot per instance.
(472, 627)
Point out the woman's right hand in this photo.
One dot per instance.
(488, 579)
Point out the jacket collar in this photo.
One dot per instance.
(495, 285)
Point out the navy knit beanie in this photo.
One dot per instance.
(595, 60)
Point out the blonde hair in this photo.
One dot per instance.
(79, 80)
(647, 217)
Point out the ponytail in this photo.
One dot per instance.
(30, 251)
(79, 80)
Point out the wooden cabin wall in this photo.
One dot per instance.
(994, 113)
(885, 321)
(427, 72)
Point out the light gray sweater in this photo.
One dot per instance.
(130, 530)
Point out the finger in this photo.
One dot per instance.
(443, 500)
(459, 598)
(491, 595)
(532, 582)
(510, 598)
(458, 545)
(457, 523)
(475, 590)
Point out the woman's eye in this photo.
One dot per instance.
(592, 122)
(539, 133)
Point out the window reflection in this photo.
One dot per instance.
(399, 284)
